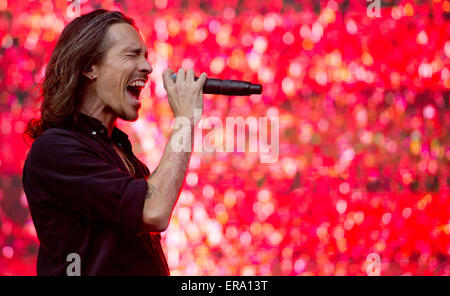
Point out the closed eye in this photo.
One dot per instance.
(137, 52)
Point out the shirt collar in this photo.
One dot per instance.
(95, 128)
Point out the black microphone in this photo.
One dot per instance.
(227, 87)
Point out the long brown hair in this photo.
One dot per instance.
(80, 46)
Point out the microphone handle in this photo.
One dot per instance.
(228, 87)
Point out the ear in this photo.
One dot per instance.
(90, 72)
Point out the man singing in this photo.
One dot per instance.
(88, 194)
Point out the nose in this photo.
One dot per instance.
(145, 67)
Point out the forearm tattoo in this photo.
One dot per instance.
(151, 191)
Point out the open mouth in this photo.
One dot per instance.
(134, 89)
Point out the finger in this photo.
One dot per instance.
(180, 76)
(167, 78)
(201, 80)
(190, 75)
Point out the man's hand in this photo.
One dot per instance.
(185, 95)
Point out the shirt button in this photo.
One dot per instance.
(94, 133)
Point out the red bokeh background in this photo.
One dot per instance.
(363, 106)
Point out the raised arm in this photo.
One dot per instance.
(164, 186)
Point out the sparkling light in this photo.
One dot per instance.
(8, 252)
(295, 69)
(341, 206)
(351, 26)
(288, 38)
(217, 65)
(260, 44)
(429, 112)
(422, 38)
(288, 86)
(425, 70)
(299, 266)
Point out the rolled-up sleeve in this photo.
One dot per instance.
(78, 179)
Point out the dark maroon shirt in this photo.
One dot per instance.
(83, 200)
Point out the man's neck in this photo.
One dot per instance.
(94, 107)
(97, 109)
(107, 119)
